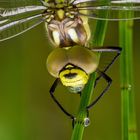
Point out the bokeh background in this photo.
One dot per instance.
(27, 111)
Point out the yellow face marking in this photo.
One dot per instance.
(73, 35)
(56, 37)
(75, 77)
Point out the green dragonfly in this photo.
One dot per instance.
(67, 26)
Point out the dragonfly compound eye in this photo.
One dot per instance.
(72, 65)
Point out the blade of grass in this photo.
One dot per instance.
(127, 86)
(78, 130)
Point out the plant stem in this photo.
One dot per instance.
(78, 131)
(127, 86)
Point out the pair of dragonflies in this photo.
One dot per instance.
(66, 21)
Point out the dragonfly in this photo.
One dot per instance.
(66, 23)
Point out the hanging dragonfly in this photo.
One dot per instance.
(67, 26)
(72, 67)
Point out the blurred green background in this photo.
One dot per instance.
(27, 111)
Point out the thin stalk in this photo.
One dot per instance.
(78, 130)
(129, 131)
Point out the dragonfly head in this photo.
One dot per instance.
(72, 66)
(74, 78)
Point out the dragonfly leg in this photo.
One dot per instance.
(79, 93)
(109, 81)
(108, 49)
(52, 90)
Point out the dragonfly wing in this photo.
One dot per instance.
(15, 28)
(114, 9)
(19, 3)
(14, 21)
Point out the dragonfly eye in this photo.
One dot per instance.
(74, 78)
(84, 60)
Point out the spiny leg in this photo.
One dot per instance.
(108, 49)
(109, 81)
(102, 74)
(52, 90)
(107, 78)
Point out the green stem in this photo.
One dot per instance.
(78, 131)
(127, 86)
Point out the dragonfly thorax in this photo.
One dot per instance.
(64, 26)
(68, 32)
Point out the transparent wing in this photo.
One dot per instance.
(16, 20)
(19, 3)
(15, 28)
(114, 9)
